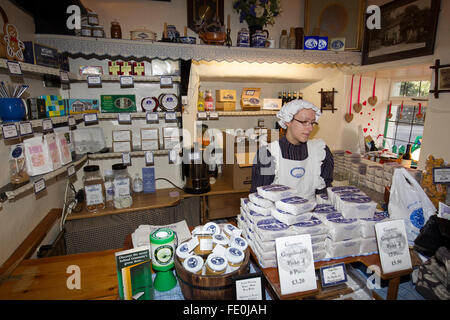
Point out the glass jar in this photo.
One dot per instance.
(92, 18)
(97, 32)
(220, 239)
(122, 186)
(109, 188)
(193, 264)
(116, 31)
(216, 265)
(205, 244)
(94, 188)
(183, 252)
(86, 30)
(138, 185)
(235, 257)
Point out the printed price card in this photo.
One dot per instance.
(47, 125)
(393, 246)
(25, 128)
(166, 82)
(152, 117)
(126, 158)
(124, 118)
(64, 75)
(14, 68)
(70, 170)
(333, 275)
(295, 264)
(9, 131)
(94, 81)
(71, 121)
(202, 116)
(149, 158)
(90, 118)
(441, 175)
(249, 287)
(213, 115)
(39, 186)
(126, 81)
(171, 117)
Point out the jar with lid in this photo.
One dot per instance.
(284, 39)
(97, 32)
(94, 188)
(239, 242)
(209, 101)
(86, 30)
(235, 257)
(116, 31)
(220, 239)
(216, 265)
(109, 188)
(183, 252)
(122, 186)
(194, 264)
(138, 184)
(92, 18)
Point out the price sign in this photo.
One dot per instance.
(333, 275)
(295, 263)
(170, 117)
(152, 117)
(126, 81)
(126, 158)
(90, 118)
(149, 158)
(173, 156)
(39, 186)
(70, 170)
(213, 116)
(393, 246)
(71, 121)
(94, 81)
(202, 116)
(124, 118)
(47, 125)
(441, 175)
(166, 82)
(64, 75)
(14, 68)
(249, 287)
(25, 128)
(9, 131)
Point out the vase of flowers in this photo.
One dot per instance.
(257, 14)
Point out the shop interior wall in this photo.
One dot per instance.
(19, 218)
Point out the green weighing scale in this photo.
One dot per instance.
(163, 245)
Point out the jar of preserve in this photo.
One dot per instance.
(194, 264)
(205, 244)
(86, 30)
(220, 239)
(116, 31)
(235, 257)
(92, 18)
(216, 265)
(182, 251)
(122, 186)
(94, 188)
(228, 230)
(239, 242)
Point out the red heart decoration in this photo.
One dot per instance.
(373, 109)
(368, 124)
(370, 130)
(365, 130)
(361, 113)
(372, 119)
(365, 103)
(370, 113)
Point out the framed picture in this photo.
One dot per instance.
(201, 13)
(336, 19)
(444, 78)
(408, 29)
(327, 100)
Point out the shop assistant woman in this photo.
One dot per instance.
(294, 160)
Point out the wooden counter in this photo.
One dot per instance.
(46, 278)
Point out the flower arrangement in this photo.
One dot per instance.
(257, 12)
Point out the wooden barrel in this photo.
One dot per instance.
(199, 287)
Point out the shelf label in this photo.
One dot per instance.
(170, 117)
(126, 158)
(39, 186)
(393, 246)
(71, 121)
(90, 118)
(152, 117)
(333, 275)
(47, 125)
(295, 263)
(213, 116)
(249, 287)
(70, 170)
(202, 116)
(173, 156)
(149, 158)
(441, 175)
(94, 81)
(25, 128)
(166, 82)
(124, 118)
(126, 81)
(64, 75)
(9, 131)
(14, 68)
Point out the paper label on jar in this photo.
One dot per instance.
(121, 187)
(94, 194)
(206, 244)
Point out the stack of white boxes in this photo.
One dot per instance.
(338, 158)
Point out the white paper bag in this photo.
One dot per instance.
(409, 202)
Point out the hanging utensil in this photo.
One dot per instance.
(357, 107)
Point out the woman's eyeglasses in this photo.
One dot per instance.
(306, 123)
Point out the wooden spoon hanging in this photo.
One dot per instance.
(373, 99)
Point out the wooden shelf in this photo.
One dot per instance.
(108, 155)
(34, 68)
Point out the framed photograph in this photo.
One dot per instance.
(327, 100)
(201, 13)
(444, 78)
(336, 19)
(408, 29)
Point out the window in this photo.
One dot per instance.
(404, 126)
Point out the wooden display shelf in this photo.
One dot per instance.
(143, 201)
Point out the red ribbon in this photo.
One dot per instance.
(374, 83)
(420, 108)
(359, 89)
(390, 105)
(351, 95)
(401, 108)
